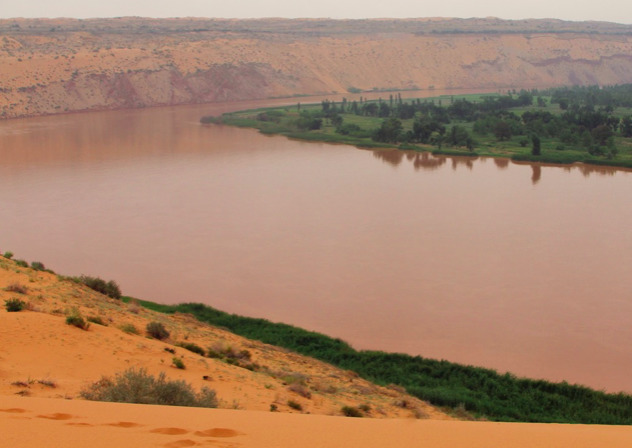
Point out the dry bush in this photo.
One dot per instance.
(300, 389)
(137, 386)
(157, 331)
(17, 288)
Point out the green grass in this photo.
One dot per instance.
(483, 392)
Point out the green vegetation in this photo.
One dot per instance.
(484, 392)
(137, 386)
(39, 266)
(190, 346)
(75, 319)
(350, 411)
(294, 405)
(178, 363)
(129, 329)
(110, 289)
(14, 305)
(563, 125)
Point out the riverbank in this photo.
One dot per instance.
(496, 130)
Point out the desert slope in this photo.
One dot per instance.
(53, 66)
(52, 359)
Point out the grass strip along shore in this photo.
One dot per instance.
(482, 392)
(591, 125)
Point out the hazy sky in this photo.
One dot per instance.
(607, 10)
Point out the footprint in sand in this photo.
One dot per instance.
(180, 443)
(57, 416)
(124, 424)
(218, 432)
(169, 431)
(13, 410)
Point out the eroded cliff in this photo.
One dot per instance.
(51, 66)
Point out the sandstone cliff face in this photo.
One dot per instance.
(71, 68)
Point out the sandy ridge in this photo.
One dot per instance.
(62, 71)
(51, 352)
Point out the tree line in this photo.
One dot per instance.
(585, 117)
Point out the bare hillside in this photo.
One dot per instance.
(52, 66)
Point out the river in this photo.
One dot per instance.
(517, 267)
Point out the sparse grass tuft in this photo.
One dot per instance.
(350, 411)
(75, 319)
(231, 356)
(16, 287)
(294, 405)
(192, 348)
(129, 329)
(47, 383)
(300, 389)
(137, 386)
(97, 320)
(178, 363)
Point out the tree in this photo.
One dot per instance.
(601, 134)
(626, 126)
(502, 130)
(458, 136)
(389, 132)
(535, 149)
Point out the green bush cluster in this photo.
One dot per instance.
(110, 288)
(14, 305)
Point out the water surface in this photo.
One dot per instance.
(516, 267)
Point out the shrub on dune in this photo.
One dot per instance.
(138, 386)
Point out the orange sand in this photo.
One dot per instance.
(41, 422)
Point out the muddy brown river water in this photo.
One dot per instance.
(516, 267)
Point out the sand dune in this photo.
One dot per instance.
(49, 358)
(44, 363)
(31, 422)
